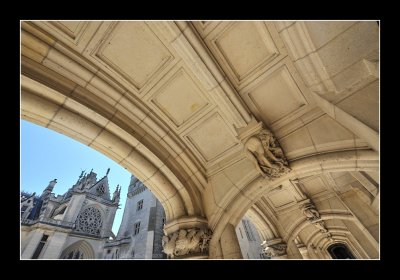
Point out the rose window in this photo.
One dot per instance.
(89, 221)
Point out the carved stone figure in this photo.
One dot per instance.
(195, 237)
(275, 250)
(205, 241)
(116, 195)
(311, 212)
(168, 244)
(314, 217)
(186, 242)
(263, 149)
(328, 235)
(181, 243)
(321, 226)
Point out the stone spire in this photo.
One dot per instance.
(134, 184)
(116, 195)
(45, 197)
(49, 188)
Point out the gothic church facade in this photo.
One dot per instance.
(74, 225)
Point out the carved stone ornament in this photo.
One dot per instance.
(314, 217)
(264, 150)
(311, 212)
(275, 250)
(186, 242)
(321, 226)
(328, 235)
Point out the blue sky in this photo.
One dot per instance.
(48, 155)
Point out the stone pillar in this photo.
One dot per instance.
(230, 243)
(187, 238)
(55, 245)
(304, 252)
(318, 253)
(293, 252)
(275, 249)
(311, 252)
(216, 251)
(30, 248)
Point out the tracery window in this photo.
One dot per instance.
(101, 189)
(89, 221)
(75, 254)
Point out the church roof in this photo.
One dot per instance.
(101, 188)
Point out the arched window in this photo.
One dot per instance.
(74, 254)
(70, 255)
(78, 250)
(89, 221)
(340, 251)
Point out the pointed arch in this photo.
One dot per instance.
(78, 250)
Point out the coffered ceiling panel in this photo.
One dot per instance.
(276, 96)
(71, 28)
(205, 27)
(75, 34)
(212, 138)
(243, 48)
(314, 186)
(281, 198)
(179, 98)
(134, 51)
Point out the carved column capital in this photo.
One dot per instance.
(311, 212)
(313, 216)
(187, 243)
(263, 149)
(274, 248)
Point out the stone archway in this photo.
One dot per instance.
(78, 250)
(338, 161)
(39, 105)
(177, 110)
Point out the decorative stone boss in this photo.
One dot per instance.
(264, 150)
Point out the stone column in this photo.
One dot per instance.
(311, 252)
(230, 243)
(275, 249)
(302, 248)
(216, 251)
(187, 238)
(293, 252)
(304, 252)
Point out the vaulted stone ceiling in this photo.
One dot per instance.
(174, 102)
